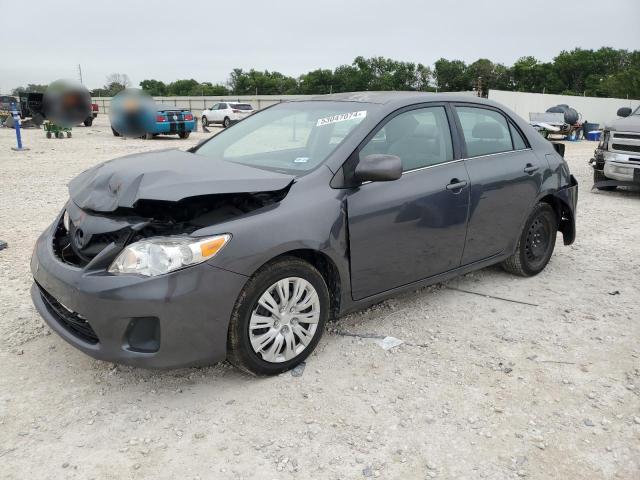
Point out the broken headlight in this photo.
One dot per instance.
(160, 255)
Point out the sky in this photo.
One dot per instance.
(167, 40)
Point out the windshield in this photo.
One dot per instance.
(637, 111)
(288, 137)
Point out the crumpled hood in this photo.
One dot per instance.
(628, 124)
(170, 175)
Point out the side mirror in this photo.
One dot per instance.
(378, 168)
(624, 112)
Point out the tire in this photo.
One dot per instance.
(226, 123)
(115, 134)
(184, 135)
(88, 122)
(283, 331)
(48, 134)
(536, 243)
(68, 134)
(148, 136)
(205, 122)
(598, 176)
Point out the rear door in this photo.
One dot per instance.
(506, 177)
(414, 227)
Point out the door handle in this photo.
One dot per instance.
(456, 184)
(530, 169)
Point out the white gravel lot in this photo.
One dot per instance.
(484, 388)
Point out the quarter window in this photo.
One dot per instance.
(419, 137)
(485, 131)
(518, 141)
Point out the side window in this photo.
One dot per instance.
(419, 137)
(518, 141)
(222, 106)
(485, 131)
(215, 107)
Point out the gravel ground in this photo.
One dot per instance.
(482, 387)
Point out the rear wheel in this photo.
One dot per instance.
(88, 122)
(184, 135)
(205, 121)
(536, 243)
(598, 176)
(115, 133)
(278, 318)
(226, 122)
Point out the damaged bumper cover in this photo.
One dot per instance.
(569, 197)
(172, 320)
(620, 170)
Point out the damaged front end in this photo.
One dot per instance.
(93, 240)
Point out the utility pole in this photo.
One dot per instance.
(80, 74)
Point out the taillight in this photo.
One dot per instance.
(188, 117)
(161, 118)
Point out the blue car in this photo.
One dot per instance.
(168, 120)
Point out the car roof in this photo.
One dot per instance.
(407, 97)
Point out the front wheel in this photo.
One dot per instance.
(226, 122)
(88, 122)
(536, 243)
(115, 132)
(278, 318)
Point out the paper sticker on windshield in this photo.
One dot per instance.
(341, 117)
(301, 160)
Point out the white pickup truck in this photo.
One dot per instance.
(616, 161)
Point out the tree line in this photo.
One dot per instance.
(606, 72)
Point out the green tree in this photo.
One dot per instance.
(316, 82)
(155, 88)
(452, 76)
(182, 87)
(262, 83)
(30, 88)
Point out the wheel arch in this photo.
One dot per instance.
(564, 215)
(327, 268)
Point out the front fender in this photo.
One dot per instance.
(566, 203)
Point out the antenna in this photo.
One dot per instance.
(80, 73)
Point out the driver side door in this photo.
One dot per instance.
(412, 228)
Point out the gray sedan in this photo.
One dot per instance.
(244, 246)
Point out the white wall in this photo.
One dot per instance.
(197, 104)
(593, 109)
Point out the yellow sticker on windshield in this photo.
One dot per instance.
(341, 117)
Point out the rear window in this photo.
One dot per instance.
(242, 106)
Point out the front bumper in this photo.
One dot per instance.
(189, 309)
(620, 169)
